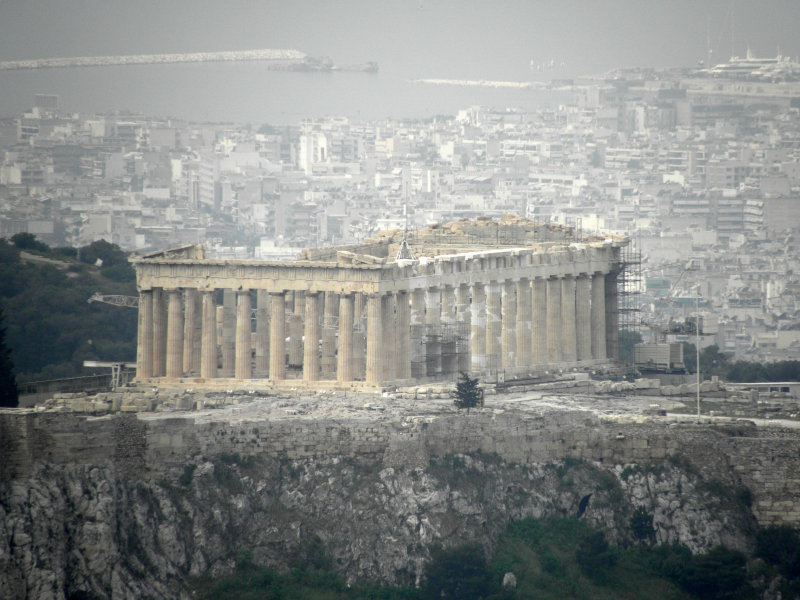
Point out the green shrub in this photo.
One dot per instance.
(594, 557)
(458, 572)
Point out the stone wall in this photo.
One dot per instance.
(765, 460)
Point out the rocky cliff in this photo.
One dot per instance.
(127, 507)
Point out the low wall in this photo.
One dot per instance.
(765, 460)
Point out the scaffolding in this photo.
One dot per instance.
(440, 351)
(629, 286)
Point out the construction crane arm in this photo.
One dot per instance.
(115, 300)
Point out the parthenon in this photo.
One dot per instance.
(492, 298)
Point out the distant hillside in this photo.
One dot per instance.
(50, 327)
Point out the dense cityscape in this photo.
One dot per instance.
(676, 159)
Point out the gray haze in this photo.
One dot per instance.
(419, 38)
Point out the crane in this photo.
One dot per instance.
(115, 300)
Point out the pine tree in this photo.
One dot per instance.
(467, 394)
(9, 395)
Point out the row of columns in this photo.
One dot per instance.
(510, 323)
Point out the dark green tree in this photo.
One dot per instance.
(641, 524)
(9, 394)
(28, 241)
(595, 557)
(628, 338)
(780, 545)
(467, 393)
(459, 572)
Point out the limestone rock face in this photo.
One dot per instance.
(111, 534)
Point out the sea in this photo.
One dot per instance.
(251, 93)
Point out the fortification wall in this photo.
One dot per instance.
(765, 460)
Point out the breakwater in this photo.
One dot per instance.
(281, 59)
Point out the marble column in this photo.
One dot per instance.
(418, 364)
(228, 333)
(360, 336)
(296, 330)
(554, 320)
(144, 370)
(463, 320)
(478, 327)
(374, 335)
(509, 324)
(583, 317)
(494, 326)
(191, 331)
(208, 337)
(523, 325)
(403, 356)
(311, 345)
(612, 316)
(539, 321)
(330, 316)
(159, 333)
(262, 333)
(448, 339)
(346, 364)
(599, 316)
(243, 368)
(433, 320)
(389, 348)
(174, 334)
(568, 335)
(277, 337)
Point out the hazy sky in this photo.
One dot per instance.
(414, 38)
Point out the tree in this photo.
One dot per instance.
(627, 340)
(28, 241)
(641, 523)
(595, 557)
(467, 394)
(9, 394)
(459, 572)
